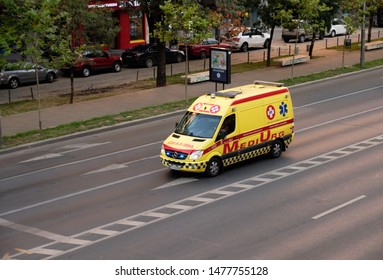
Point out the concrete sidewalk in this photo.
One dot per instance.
(51, 117)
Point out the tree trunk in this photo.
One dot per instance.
(161, 65)
(312, 46)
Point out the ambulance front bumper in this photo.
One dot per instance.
(182, 165)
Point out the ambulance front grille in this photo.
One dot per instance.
(176, 155)
(181, 165)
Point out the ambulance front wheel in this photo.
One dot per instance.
(214, 167)
(276, 149)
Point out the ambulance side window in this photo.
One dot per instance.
(228, 126)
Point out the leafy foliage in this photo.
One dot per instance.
(53, 32)
(184, 23)
(29, 28)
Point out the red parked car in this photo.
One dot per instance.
(202, 50)
(95, 60)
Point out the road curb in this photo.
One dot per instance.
(90, 132)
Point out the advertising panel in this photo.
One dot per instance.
(220, 65)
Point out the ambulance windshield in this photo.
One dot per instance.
(198, 125)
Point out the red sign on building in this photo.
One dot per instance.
(134, 29)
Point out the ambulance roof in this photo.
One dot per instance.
(219, 102)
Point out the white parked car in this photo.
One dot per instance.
(337, 28)
(252, 38)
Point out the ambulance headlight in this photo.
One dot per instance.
(196, 155)
(162, 150)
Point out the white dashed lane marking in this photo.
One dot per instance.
(41, 233)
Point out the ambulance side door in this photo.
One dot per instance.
(227, 131)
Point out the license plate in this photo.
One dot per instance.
(174, 167)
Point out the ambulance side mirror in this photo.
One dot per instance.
(176, 124)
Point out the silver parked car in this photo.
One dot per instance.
(299, 30)
(15, 74)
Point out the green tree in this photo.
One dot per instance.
(372, 7)
(166, 21)
(155, 15)
(28, 27)
(184, 22)
(273, 13)
(51, 32)
(355, 11)
(308, 13)
(82, 28)
(311, 15)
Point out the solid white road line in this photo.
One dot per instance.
(339, 97)
(339, 119)
(338, 207)
(82, 192)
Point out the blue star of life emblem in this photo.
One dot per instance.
(283, 109)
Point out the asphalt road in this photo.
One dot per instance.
(106, 196)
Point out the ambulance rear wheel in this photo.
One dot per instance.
(276, 149)
(214, 167)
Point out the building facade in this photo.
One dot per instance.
(134, 29)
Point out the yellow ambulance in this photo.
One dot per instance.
(229, 126)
